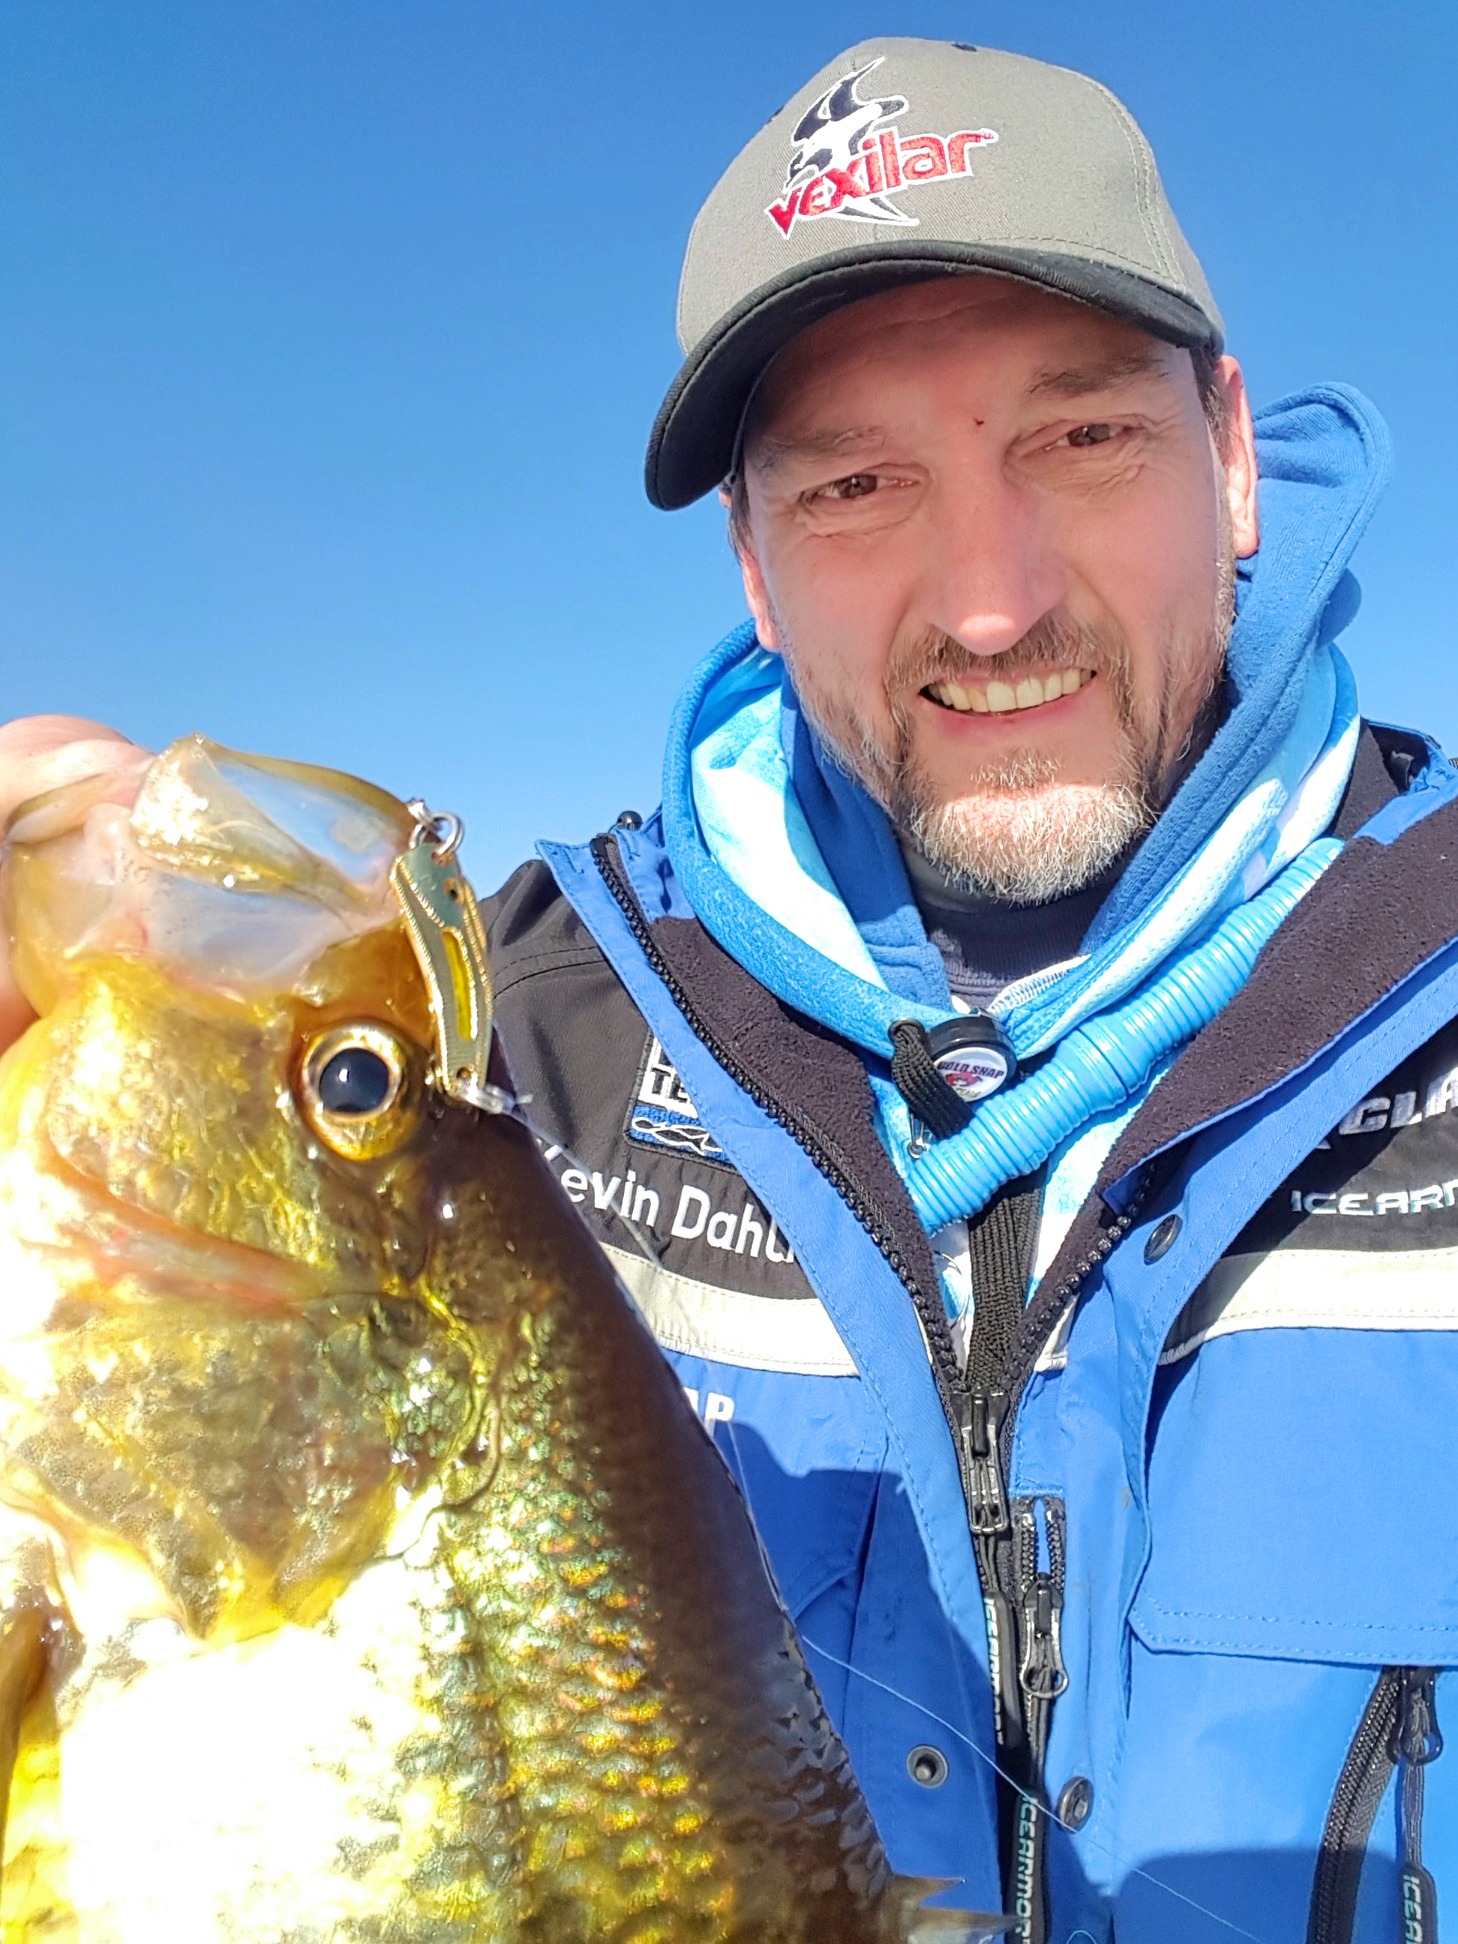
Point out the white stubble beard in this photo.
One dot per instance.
(1016, 832)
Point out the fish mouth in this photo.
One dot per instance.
(84, 1236)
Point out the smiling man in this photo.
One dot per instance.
(1015, 1071)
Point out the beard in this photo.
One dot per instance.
(1017, 830)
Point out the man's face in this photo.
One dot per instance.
(990, 532)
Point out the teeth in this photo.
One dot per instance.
(1001, 698)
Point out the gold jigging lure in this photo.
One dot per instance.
(364, 1574)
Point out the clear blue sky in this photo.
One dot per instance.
(330, 335)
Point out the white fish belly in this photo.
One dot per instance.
(291, 1787)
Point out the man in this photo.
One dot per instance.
(1069, 1286)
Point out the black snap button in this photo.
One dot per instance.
(928, 1766)
(1162, 1236)
(629, 820)
(1075, 1802)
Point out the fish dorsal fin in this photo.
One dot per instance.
(912, 1922)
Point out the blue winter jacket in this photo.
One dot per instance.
(1225, 1555)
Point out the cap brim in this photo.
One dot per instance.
(691, 448)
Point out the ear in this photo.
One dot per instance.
(1238, 460)
(755, 594)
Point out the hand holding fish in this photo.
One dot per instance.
(363, 1569)
(38, 754)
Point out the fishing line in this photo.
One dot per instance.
(1107, 1850)
(551, 1147)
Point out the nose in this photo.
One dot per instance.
(996, 570)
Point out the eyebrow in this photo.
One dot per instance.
(1078, 381)
(770, 452)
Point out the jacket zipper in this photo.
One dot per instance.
(980, 1420)
(1398, 1730)
(982, 1424)
(1417, 1742)
(1024, 1620)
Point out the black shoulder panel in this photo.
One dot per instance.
(613, 1117)
(1385, 1180)
(532, 928)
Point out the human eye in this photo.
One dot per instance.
(854, 486)
(860, 501)
(1099, 432)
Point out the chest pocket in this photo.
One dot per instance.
(1306, 1409)
(1303, 1567)
(1300, 1496)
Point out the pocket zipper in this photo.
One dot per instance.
(1417, 1742)
(1398, 1730)
(1042, 1677)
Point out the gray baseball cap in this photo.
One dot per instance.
(902, 160)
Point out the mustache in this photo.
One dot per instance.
(1054, 641)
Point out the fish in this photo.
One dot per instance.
(365, 1575)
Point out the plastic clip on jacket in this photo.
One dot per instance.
(1105, 1062)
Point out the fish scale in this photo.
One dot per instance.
(382, 1586)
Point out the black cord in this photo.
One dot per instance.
(933, 1100)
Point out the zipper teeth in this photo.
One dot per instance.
(1034, 985)
(1045, 1311)
(932, 1316)
(1025, 1546)
(1359, 1790)
(1053, 1512)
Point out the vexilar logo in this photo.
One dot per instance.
(848, 160)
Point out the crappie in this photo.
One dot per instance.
(364, 1574)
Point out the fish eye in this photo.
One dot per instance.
(356, 1080)
(358, 1089)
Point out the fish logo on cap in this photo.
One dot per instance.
(848, 158)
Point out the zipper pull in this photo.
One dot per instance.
(1416, 1737)
(979, 1421)
(1042, 1673)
